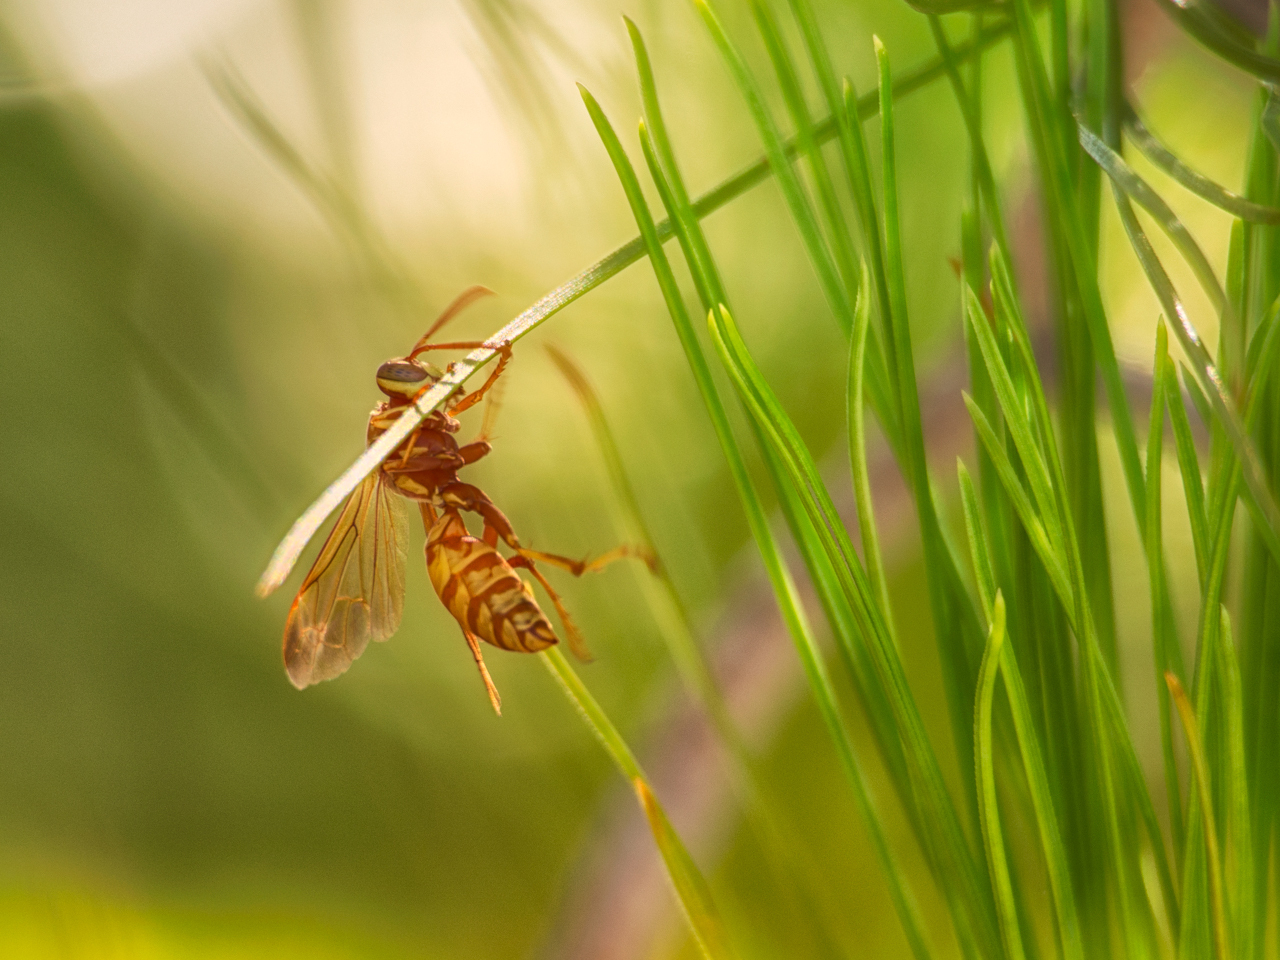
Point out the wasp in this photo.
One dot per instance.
(354, 591)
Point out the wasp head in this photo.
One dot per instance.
(405, 377)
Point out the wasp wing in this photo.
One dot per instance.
(355, 590)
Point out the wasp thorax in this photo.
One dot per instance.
(404, 378)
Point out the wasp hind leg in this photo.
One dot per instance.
(592, 564)
(576, 643)
(492, 690)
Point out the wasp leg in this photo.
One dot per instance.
(576, 643)
(484, 671)
(471, 399)
(474, 451)
(591, 565)
(409, 444)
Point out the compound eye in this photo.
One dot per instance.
(398, 378)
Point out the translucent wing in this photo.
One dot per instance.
(355, 590)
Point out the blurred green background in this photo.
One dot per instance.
(186, 355)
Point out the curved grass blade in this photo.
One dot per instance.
(304, 528)
(1049, 554)
(691, 888)
(988, 807)
(1189, 467)
(1205, 796)
(1235, 778)
(858, 450)
(1204, 21)
(1139, 190)
(836, 229)
(664, 169)
(1162, 629)
(788, 183)
(1193, 180)
(1260, 499)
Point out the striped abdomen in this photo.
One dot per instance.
(482, 591)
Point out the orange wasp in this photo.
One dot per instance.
(354, 592)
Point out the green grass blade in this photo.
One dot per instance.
(1137, 189)
(779, 843)
(706, 278)
(1193, 180)
(858, 450)
(788, 183)
(1052, 559)
(1162, 628)
(1105, 710)
(837, 230)
(1030, 449)
(1189, 467)
(1066, 222)
(988, 807)
(1235, 780)
(1261, 501)
(979, 547)
(690, 887)
(1204, 795)
(1204, 21)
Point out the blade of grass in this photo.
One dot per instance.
(707, 281)
(1164, 158)
(836, 230)
(988, 807)
(1206, 23)
(1260, 500)
(1138, 190)
(1162, 628)
(1189, 467)
(690, 888)
(660, 590)
(788, 183)
(1205, 795)
(665, 171)
(858, 451)
(1235, 780)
